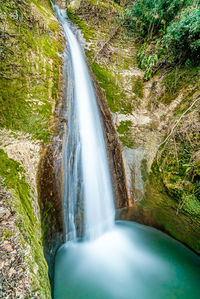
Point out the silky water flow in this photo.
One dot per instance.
(103, 259)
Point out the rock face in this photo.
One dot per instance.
(113, 150)
(51, 182)
(30, 72)
(162, 176)
(61, 3)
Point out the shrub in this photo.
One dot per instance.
(147, 61)
(147, 17)
(183, 36)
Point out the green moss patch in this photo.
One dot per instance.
(192, 205)
(29, 71)
(138, 87)
(30, 65)
(13, 178)
(164, 207)
(117, 100)
(124, 130)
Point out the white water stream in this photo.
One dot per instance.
(88, 186)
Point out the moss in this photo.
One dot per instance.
(127, 140)
(172, 193)
(124, 129)
(138, 87)
(32, 61)
(13, 178)
(164, 209)
(7, 234)
(29, 77)
(124, 126)
(144, 170)
(116, 99)
(192, 205)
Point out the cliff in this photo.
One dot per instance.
(31, 45)
(149, 93)
(153, 96)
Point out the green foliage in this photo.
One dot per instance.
(171, 30)
(147, 61)
(147, 17)
(183, 36)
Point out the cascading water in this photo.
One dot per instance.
(87, 183)
(127, 261)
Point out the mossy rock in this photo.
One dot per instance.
(29, 71)
(13, 179)
(124, 130)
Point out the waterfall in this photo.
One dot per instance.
(129, 260)
(88, 194)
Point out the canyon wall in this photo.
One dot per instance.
(31, 45)
(155, 110)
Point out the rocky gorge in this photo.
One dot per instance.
(151, 127)
(157, 121)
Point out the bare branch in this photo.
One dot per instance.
(178, 121)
